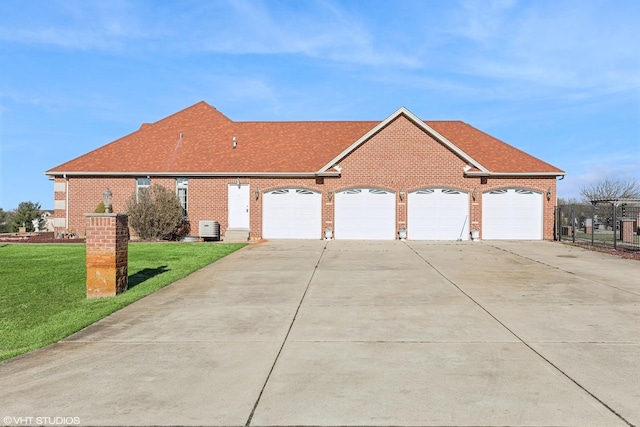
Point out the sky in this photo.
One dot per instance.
(557, 79)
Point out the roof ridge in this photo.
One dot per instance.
(444, 121)
(190, 107)
(143, 129)
(307, 121)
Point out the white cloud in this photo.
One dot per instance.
(481, 51)
(101, 26)
(624, 167)
(558, 46)
(574, 48)
(318, 30)
(480, 22)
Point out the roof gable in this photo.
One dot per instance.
(484, 154)
(402, 111)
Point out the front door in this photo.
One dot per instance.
(238, 205)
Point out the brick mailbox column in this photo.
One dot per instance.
(627, 229)
(107, 254)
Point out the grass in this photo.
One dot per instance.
(603, 237)
(43, 291)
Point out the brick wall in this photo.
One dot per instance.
(107, 254)
(400, 157)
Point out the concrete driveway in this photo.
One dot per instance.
(356, 333)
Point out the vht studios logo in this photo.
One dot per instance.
(51, 421)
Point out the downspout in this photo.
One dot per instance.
(66, 202)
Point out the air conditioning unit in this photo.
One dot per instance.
(209, 230)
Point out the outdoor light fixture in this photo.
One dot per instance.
(330, 195)
(238, 182)
(328, 233)
(549, 193)
(402, 193)
(402, 233)
(107, 199)
(256, 193)
(474, 194)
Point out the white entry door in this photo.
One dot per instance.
(238, 197)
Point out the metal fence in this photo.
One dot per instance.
(612, 225)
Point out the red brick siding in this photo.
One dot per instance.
(85, 193)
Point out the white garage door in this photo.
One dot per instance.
(512, 215)
(438, 214)
(365, 213)
(291, 214)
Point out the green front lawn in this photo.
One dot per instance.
(602, 237)
(42, 287)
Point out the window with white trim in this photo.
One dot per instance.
(181, 191)
(142, 184)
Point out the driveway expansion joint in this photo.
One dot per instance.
(284, 341)
(529, 346)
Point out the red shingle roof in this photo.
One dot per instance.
(199, 139)
(495, 155)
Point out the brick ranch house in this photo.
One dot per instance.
(433, 180)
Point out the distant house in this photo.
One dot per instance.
(433, 180)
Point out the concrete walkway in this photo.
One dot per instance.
(357, 333)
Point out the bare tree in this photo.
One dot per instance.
(568, 201)
(611, 189)
(154, 214)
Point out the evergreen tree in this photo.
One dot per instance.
(5, 217)
(24, 215)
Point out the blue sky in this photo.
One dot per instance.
(558, 79)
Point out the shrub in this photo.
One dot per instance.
(155, 213)
(100, 208)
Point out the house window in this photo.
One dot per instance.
(181, 190)
(142, 184)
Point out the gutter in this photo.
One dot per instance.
(515, 173)
(186, 174)
(272, 174)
